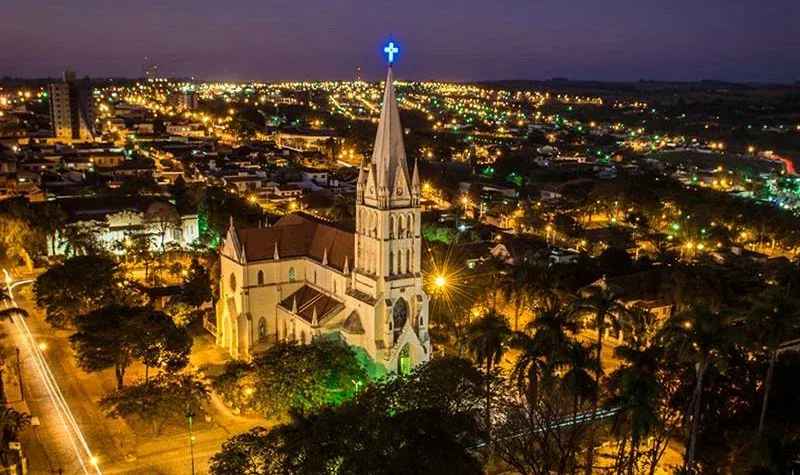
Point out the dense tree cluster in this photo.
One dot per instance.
(116, 336)
(289, 376)
(81, 285)
(166, 398)
(422, 423)
(703, 379)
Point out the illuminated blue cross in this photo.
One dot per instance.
(390, 49)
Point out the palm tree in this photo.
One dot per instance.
(552, 326)
(578, 381)
(635, 392)
(12, 423)
(543, 345)
(700, 337)
(78, 239)
(602, 301)
(516, 286)
(531, 367)
(547, 348)
(496, 267)
(50, 219)
(578, 378)
(775, 318)
(486, 341)
(10, 312)
(7, 314)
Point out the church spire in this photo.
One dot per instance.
(415, 178)
(389, 154)
(362, 177)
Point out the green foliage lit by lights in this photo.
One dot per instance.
(289, 376)
(514, 178)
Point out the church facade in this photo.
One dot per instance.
(305, 278)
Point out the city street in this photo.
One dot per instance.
(73, 432)
(58, 443)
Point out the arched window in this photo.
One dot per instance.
(262, 329)
(292, 276)
(410, 229)
(315, 276)
(260, 277)
(232, 282)
(391, 262)
(334, 286)
(285, 332)
(392, 232)
(408, 261)
(399, 316)
(303, 336)
(399, 262)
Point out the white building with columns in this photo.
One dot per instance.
(305, 278)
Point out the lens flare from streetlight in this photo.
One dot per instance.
(447, 281)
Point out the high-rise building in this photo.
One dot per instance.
(187, 100)
(72, 108)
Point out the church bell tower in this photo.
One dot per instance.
(388, 232)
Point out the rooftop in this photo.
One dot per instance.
(300, 235)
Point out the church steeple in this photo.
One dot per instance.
(415, 179)
(387, 203)
(389, 154)
(388, 242)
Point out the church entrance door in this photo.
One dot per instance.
(404, 361)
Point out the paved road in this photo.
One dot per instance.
(73, 430)
(58, 441)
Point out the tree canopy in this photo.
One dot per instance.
(421, 423)
(166, 398)
(292, 376)
(80, 285)
(115, 336)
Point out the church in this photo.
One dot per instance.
(305, 277)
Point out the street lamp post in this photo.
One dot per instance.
(190, 417)
(19, 378)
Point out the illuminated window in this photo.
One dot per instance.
(404, 361)
(292, 276)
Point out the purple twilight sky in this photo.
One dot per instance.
(740, 40)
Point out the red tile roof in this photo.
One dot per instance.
(307, 300)
(299, 235)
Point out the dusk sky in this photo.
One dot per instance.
(739, 40)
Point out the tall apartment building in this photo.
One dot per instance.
(72, 108)
(188, 100)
